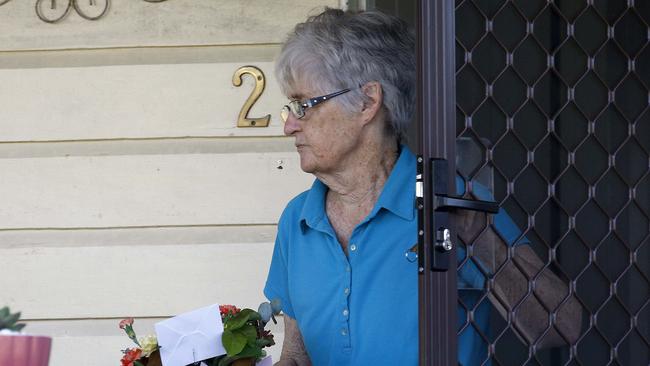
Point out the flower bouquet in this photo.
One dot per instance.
(243, 338)
(146, 354)
(18, 349)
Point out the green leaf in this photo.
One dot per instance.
(11, 319)
(250, 351)
(247, 352)
(4, 312)
(240, 319)
(249, 332)
(137, 363)
(18, 327)
(264, 342)
(233, 342)
(214, 361)
(225, 361)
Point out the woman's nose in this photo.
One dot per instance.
(291, 125)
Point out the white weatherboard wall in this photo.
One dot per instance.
(127, 189)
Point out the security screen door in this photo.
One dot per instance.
(552, 116)
(551, 119)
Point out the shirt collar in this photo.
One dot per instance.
(397, 196)
(313, 210)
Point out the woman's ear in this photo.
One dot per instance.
(373, 101)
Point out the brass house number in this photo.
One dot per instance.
(243, 120)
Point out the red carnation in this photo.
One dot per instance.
(131, 355)
(126, 322)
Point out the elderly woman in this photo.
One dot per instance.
(338, 265)
(348, 292)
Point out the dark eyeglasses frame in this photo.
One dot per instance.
(297, 107)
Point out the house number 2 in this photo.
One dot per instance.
(243, 120)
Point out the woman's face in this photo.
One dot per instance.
(326, 135)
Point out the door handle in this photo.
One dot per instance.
(445, 203)
(441, 203)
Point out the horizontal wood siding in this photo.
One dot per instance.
(127, 187)
(148, 190)
(99, 341)
(136, 23)
(139, 281)
(133, 101)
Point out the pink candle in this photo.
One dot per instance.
(22, 350)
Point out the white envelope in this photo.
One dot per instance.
(190, 337)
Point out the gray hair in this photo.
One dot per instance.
(336, 50)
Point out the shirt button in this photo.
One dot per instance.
(346, 291)
(346, 312)
(344, 332)
(347, 269)
(353, 247)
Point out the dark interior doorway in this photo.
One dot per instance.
(553, 117)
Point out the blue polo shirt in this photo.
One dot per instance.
(361, 309)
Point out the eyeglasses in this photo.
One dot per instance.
(297, 107)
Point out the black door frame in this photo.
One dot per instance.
(436, 135)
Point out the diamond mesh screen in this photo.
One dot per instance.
(553, 118)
